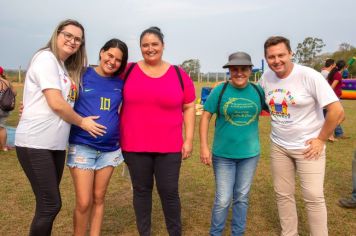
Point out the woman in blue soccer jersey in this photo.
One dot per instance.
(236, 147)
(92, 160)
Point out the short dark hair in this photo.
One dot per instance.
(153, 30)
(274, 40)
(116, 43)
(329, 62)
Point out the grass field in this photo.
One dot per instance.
(196, 191)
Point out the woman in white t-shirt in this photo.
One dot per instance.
(43, 130)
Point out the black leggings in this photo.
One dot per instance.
(44, 169)
(165, 168)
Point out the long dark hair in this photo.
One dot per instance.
(340, 64)
(117, 43)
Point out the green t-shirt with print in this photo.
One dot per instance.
(236, 131)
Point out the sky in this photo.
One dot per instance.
(208, 30)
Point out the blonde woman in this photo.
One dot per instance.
(42, 134)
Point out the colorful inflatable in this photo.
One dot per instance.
(205, 91)
(348, 89)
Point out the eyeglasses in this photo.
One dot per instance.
(69, 37)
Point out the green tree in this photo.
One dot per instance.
(345, 52)
(346, 47)
(192, 67)
(308, 50)
(319, 61)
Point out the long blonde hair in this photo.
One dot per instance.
(76, 63)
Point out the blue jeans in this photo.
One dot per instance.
(338, 131)
(233, 179)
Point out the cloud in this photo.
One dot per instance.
(206, 29)
(163, 9)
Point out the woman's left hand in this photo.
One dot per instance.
(187, 149)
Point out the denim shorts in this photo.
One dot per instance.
(3, 116)
(85, 157)
(2, 122)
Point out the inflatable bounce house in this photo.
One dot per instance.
(205, 91)
(348, 89)
(348, 85)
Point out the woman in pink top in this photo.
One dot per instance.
(156, 104)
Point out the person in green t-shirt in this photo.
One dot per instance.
(236, 145)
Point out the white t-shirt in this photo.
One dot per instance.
(39, 126)
(296, 104)
(325, 73)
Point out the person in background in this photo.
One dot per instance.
(345, 73)
(42, 133)
(157, 101)
(4, 84)
(296, 95)
(92, 160)
(335, 80)
(351, 201)
(234, 157)
(328, 66)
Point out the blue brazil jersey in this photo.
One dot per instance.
(99, 96)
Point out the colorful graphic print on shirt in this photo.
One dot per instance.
(278, 101)
(240, 111)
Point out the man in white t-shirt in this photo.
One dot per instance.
(296, 96)
(328, 66)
